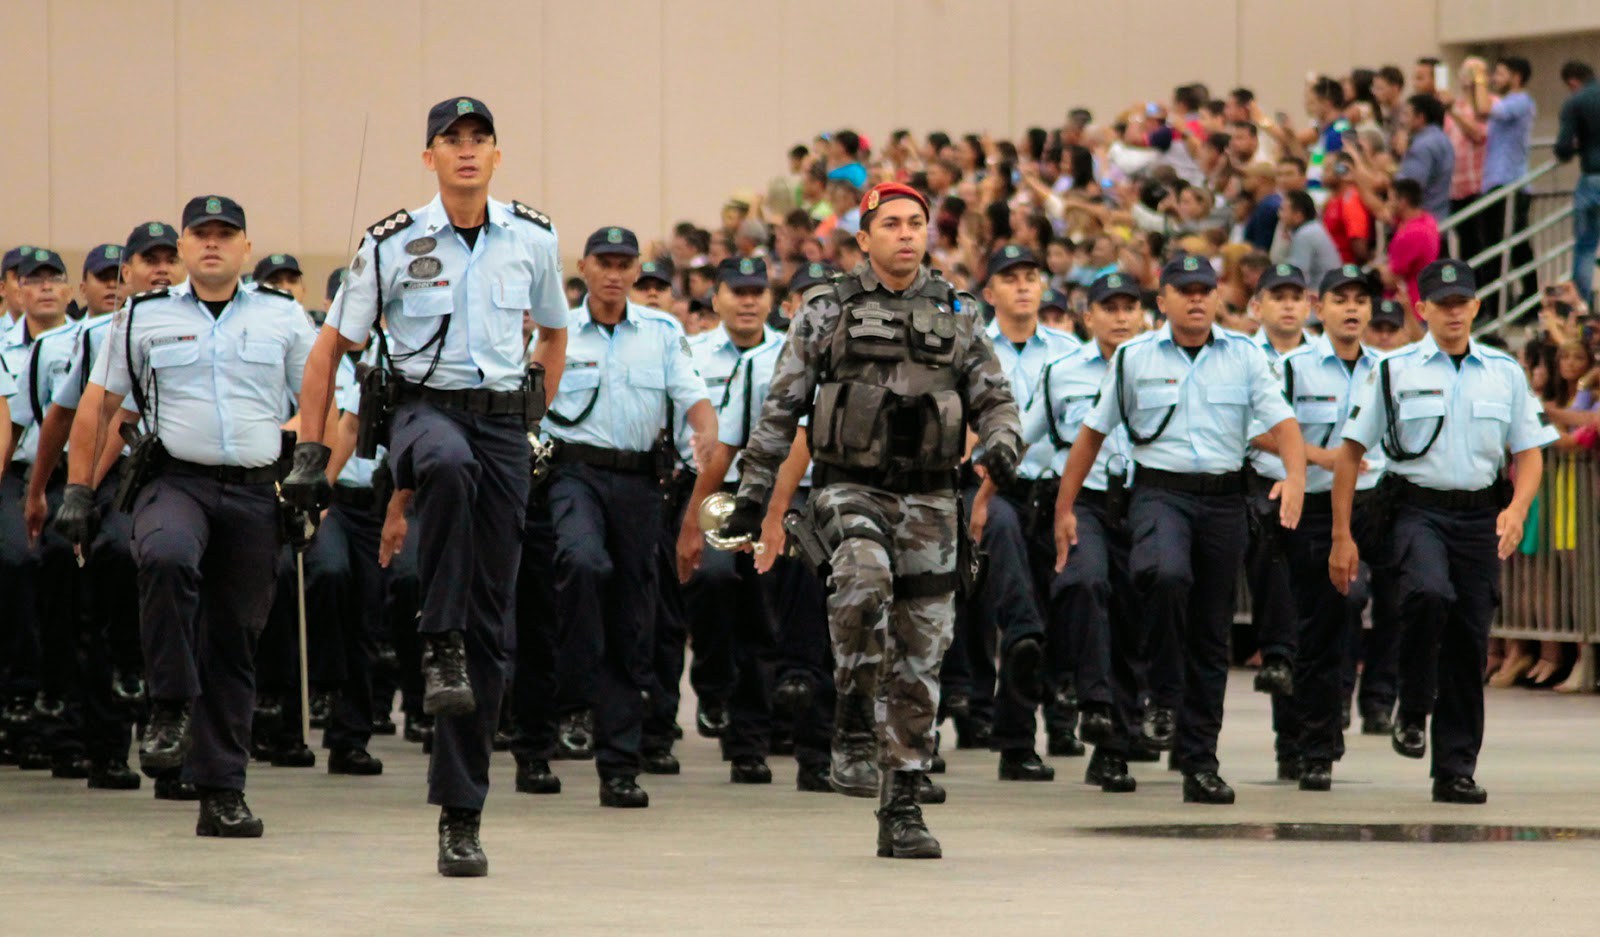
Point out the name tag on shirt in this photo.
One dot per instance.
(424, 284)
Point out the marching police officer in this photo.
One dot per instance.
(725, 603)
(211, 367)
(149, 261)
(1320, 378)
(654, 286)
(1091, 603)
(1187, 394)
(890, 369)
(1015, 531)
(1282, 303)
(628, 371)
(1445, 411)
(451, 281)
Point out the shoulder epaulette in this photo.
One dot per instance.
(390, 226)
(532, 214)
(138, 298)
(274, 291)
(818, 291)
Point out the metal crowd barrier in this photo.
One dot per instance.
(1550, 587)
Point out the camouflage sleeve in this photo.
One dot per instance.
(991, 408)
(794, 381)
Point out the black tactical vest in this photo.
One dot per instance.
(889, 400)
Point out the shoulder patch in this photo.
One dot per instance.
(273, 291)
(532, 214)
(820, 291)
(683, 342)
(138, 298)
(390, 226)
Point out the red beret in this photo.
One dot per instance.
(888, 191)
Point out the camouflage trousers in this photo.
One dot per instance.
(891, 608)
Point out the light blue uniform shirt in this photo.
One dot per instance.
(429, 275)
(1324, 391)
(357, 472)
(619, 381)
(1024, 368)
(220, 386)
(45, 362)
(747, 392)
(18, 350)
(1265, 343)
(1213, 400)
(1487, 408)
(85, 365)
(716, 357)
(1067, 390)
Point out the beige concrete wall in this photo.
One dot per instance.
(635, 112)
(1462, 21)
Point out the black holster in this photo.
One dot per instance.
(378, 390)
(146, 457)
(1116, 501)
(535, 405)
(971, 562)
(806, 543)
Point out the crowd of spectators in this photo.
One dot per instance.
(1366, 171)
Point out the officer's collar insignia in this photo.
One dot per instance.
(872, 200)
(463, 106)
(1190, 264)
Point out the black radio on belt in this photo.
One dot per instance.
(377, 405)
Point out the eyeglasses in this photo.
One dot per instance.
(471, 141)
(44, 279)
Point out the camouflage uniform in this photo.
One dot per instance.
(883, 543)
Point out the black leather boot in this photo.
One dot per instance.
(460, 853)
(166, 738)
(901, 832)
(448, 689)
(225, 814)
(854, 770)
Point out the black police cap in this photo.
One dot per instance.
(739, 272)
(275, 263)
(148, 235)
(1115, 283)
(102, 257)
(1281, 275)
(612, 241)
(450, 110)
(204, 208)
(40, 259)
(1447, 279)
(1012, 255)
(1188, 270)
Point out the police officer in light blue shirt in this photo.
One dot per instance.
(452, 282)
(1015, 535)
(1188, 394)
(1320, 380)
(211, 366)
(147, 260)
(628, 373)
(1445, 411)
(727, 617)
(1089, 605)
(1282, 303)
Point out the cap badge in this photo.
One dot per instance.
(872, 200)
(614, 236)
(1012, 251)
(156, 229)
(213, 205)
(277, 258)
(41, 255)
(816, 270)
(1283, 270)
(1448, 274)
(463, 106)
(747, 266)
(112, 252)
(1190, 264)
(1114, 281)
(1351, 270)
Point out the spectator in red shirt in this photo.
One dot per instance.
(1415, 243)
(1346, 218)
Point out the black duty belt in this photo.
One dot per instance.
(616, 460)
(358, 499)
(227, 474)
(1091, 497)
(1406, 492)
(1321, 502)
(481, 402)
(1026, 489)
(1194, 483)
(899, 483)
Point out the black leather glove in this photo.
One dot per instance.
(1000, 461)
(307, 486)
(298, 527)
(78, 518)
(745, 521)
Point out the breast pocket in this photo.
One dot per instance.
(1417, 417)
(422, 313)
(261, 352)
(1316, 412)
(509, 297)
(1491, 426)
(1153, 404)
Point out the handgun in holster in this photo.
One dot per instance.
(1116, 500)
(146, 456)
(535, 405)
(807, 543)
(972, 563)
(378, 394)
(665, 452)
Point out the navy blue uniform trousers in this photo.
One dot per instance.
(470, 474)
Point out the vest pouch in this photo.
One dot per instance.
(825, 414)
(943, 431)
(861, 423)
(933, 334)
